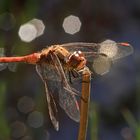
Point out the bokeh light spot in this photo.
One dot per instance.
(25, 104)
(39, 26)
(109, 48)
(27, 32)
(30, 30)
(35, 119)
(71, 24)
(18, 129)
(101, 65)
(126, 132)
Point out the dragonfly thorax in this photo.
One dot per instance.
(61, 52)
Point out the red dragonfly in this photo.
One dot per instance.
(59, 65)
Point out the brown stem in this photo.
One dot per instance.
(84, 105)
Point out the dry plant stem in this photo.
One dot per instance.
(84, 105)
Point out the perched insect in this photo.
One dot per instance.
(58, 65)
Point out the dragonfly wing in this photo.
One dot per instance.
(50, 100)
(96, 61)
(69, 103)
(52, 109)
(115, 50)
(123, 51)
(109, 51)
(100, 65)
(81, 46)
(108, 47)
(2, 65)
(100, 56)
(12, 66)
(67, 99)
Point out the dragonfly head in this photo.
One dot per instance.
(77, 60)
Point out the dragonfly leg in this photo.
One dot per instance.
(72, 73)
(69, 75)
(75, 73)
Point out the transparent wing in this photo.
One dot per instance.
(81, 46)
(100, 65)
(108, 47)
(43, 71)
(115, 50)
(97, 62)
(11, 66)
(100, 56)
(109, 51)
(56, 81)
(67, 99)
(2, 65)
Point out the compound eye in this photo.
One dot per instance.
(82, 59)
(80, 54)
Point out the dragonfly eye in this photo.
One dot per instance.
(79, 52)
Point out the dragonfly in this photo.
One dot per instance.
(59, 66)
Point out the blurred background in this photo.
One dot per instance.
(115, 97)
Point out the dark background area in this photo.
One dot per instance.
(114, 111)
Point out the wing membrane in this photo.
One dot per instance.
(43, 71)
(67, 99)
(115, 50)
(2, 65)
(11, 66)
(56, 82)
(81, 46)
(94, 49)
(100, 56)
